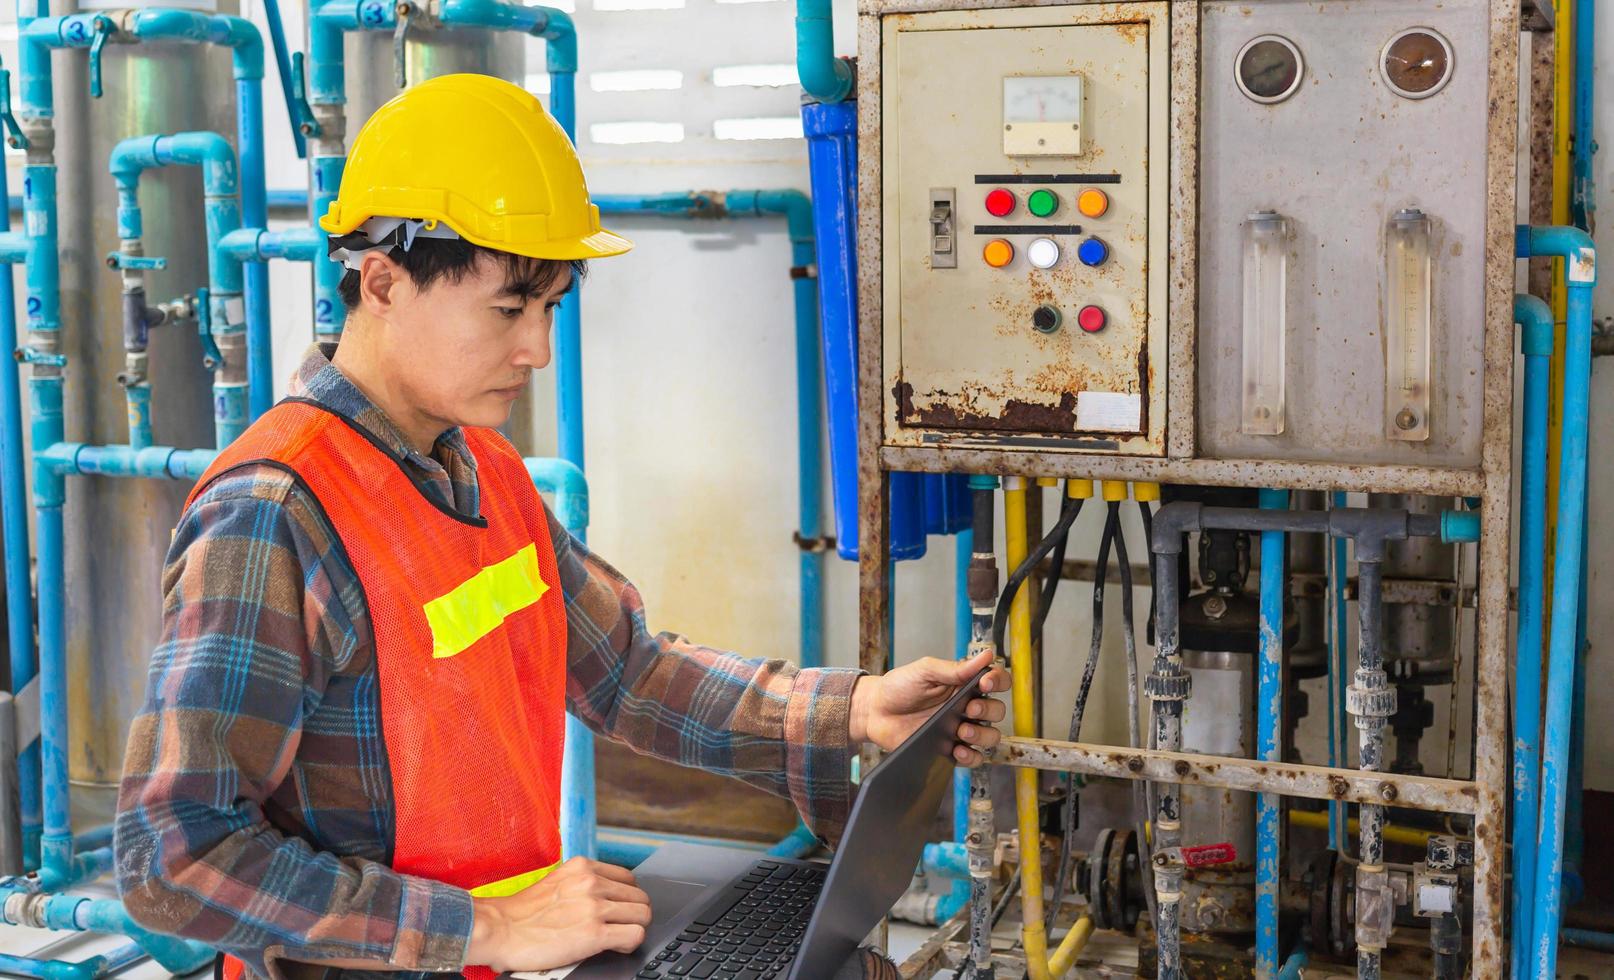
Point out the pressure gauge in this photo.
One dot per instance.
(1416, 63)
(1042, 115)
(1268, 68)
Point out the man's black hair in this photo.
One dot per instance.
(434, 259)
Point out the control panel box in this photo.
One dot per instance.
(1024, 227)
(1342, 231)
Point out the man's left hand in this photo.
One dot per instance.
(886, 709)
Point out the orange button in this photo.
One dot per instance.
(1093, 202)
(998, 253)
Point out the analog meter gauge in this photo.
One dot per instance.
(1268, 69)
(1042, 116)
(1417, 63)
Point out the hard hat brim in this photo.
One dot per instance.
(601, 244)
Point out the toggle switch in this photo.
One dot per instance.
(943, 240)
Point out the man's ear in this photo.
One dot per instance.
(379, 275)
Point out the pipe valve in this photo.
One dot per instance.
(104, 28)
(124, 260)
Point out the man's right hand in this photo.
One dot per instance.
(581, 908)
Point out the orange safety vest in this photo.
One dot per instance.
(470, 645)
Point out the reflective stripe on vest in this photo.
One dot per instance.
(470, 645)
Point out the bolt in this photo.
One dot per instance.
(1406, 419)
(1387, 791)
(1215, 607)
(1338, 786)
(1210, 912)
(1135, 764)
(1181, 768)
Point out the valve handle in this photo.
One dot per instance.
(307, 125)
(212, 358)
(400, 35)
(103, 30)
(1205, 855)
(14, 135)
(121, 260)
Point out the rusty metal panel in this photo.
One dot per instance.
(1338, 158)
(980, 354)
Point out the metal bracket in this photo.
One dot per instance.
(813, 545)
(104, 28)
(301, 111)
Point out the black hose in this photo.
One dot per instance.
(1017, 578)
(1134, 725)
(1050, 586)
(1112, 527)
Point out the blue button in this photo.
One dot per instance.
(1093, 252)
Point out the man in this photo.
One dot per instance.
(349, 755)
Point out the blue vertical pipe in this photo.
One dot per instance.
(1269, 723)
(1580, 271)
(1535, 318)
(328, 309)
(255, 214)
(963, 551)
(1583, 197)
(14, 520)
(1337, 653)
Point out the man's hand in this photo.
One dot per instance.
(889, 708)
(581, 908)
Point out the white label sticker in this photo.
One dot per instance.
(37, 223)
(235, 310)
(556, 974)
(1108, 411)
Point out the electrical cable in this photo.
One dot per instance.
(1141, 798)
(1112, 525)
(1056, 570)
(1017, 578)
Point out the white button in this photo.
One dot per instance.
(1043, 253)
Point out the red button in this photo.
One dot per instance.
(1091, 319)
(999, 203)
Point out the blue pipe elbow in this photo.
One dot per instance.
(1459, 527)
(793, 204)
(567, 483)
(236, 33)
(1571, 244)
(946, 860)
(823, 76)
(949, 904)
(1535, 317)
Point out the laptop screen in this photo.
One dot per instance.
(885, 836)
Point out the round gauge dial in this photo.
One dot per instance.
(1269, 68)
(1417, 63)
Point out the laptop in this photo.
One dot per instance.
(725, 913)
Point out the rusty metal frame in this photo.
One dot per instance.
(1491, 482)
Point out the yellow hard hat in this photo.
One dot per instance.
(481, 156)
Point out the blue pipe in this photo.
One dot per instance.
(66, 913)
(1294, 967)
(1574, 827)
(1583, 195)
(329, 312)
(57, 871)
(1535, 317)
(568, 485)
(1580, 272)
(211, 152)
(277, 39)
(623, 854)
(824, 77)
(948, 860)
(104, 965)
(1588, 939)
(137, 400)
(255, 214)
(14, 517)
(1269, 723)
(798, 843)
(149, 463)
(258, 245)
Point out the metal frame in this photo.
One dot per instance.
(1491, 481)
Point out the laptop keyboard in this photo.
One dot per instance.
(751, 932)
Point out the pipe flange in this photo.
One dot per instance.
(1168, 687)
(1369, 704)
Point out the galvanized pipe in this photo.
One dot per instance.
(980, 839)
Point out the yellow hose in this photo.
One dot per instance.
(1071, 947)
(1392, 833)
(1025, 778)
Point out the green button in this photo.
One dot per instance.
(1042, 203)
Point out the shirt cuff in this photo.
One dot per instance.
(434, 927)
(819, 749)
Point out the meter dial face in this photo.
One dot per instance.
(1042, 98)
(1269, 68)
(1417, 63)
